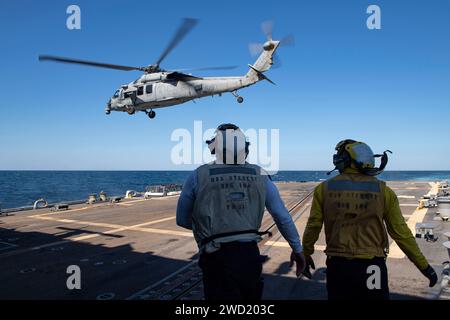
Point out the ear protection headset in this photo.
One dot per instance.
(224, 127)
(342, 158)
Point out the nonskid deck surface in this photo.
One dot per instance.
(134, 250)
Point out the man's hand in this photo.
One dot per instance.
(430, 274)
(309, 264)
(300, 262)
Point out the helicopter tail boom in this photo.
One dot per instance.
(263, 63)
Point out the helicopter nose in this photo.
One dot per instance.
(108, 107)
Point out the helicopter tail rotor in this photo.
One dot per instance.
(257, 48)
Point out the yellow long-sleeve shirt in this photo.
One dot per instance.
(393, 218)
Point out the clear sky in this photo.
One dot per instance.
(388, 87)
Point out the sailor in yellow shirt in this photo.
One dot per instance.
(357, 211)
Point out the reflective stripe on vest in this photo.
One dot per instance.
(232, 170)
(345, 185)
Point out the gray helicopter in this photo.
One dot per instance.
(159, 88)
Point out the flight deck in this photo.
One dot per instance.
(133, 249)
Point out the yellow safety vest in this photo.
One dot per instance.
(353, 209)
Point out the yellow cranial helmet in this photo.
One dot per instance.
(352, 153)
(361, 153)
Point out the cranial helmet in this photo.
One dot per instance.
(229, 144)
(350, 152)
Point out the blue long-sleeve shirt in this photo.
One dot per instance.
(273, 203)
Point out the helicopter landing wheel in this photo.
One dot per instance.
(131, 110)
(151, 114)
(240, 99)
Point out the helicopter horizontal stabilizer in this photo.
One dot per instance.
(261, 75)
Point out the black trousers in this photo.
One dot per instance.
(233, 272)
(357, 279)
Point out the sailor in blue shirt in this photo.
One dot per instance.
(274, 205)
(223, 203)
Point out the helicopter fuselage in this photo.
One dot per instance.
(159, 91)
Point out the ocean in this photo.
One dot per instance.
(22, 188)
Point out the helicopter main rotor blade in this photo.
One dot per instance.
(183, 30)
(208, 68)
(88, 63)
(267, 27)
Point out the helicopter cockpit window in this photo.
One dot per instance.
(140, 91)
(128, 94)
(148, 88)
(116, 94)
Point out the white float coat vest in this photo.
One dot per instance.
(230, 199)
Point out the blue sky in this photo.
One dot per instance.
(388, 87)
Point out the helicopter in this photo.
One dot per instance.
(160, 88)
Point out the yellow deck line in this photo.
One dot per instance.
(416, 216)
(116, 227)
(89, 223)
(137, 227)
(101, 224)
(165, 197)
(164, 231)
(284, 244)
(125, 204)
(131, 202)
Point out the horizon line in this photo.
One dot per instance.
(175, 170)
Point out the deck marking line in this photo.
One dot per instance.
(284, 244)
(89, 236)
(131, 202)
(416, 216)
(59, 212)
